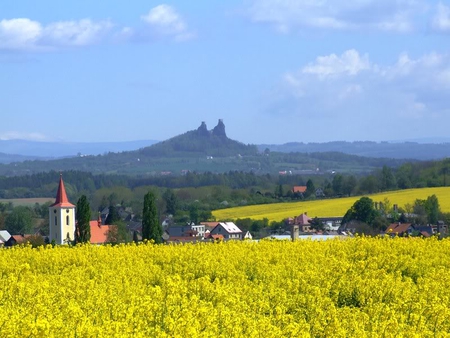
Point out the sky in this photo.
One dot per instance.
(275, 71)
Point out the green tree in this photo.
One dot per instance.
(420, 213)
(113, 216)
(310, 189)
(279, 191)
(194, 213)
(363, 210)
(83, 217)
(317, 224)
(433, 209)
(151, 229)
(349, 185)
(387, 179)
(338, 184)
(171, 201)
(19, 220)
(368, 185)
(118, 233)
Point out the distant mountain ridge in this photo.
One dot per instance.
(404, 150)
(201, 141)
(10, 158)
(36, 149)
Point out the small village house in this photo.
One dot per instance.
(228, 230)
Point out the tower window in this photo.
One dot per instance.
(67, 220)
(56, 220)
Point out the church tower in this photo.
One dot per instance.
(61, 217)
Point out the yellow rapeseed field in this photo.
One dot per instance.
(361, 287)
(330, 207)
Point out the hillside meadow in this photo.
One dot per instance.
(330, 207)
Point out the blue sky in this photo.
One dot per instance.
(274, 71)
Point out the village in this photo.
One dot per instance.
(62, 226)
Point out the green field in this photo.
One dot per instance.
(330, 207)
(27, 201)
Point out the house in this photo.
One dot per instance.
(4, 238)
(189, 230)
(215, 237)
(62, 221)
(303, 221)
(299, 189)
(99, 232)
(228, 230)
(319, 193)
(208, 227)
(247, 235)
(424, 230)
(400, 229)
(331, 223)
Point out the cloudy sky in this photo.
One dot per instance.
(275, 71)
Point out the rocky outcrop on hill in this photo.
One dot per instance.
(201, 141)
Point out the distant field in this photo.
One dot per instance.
(27, 201)
(331, 207)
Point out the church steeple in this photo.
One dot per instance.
(61, 196)
(61, 217)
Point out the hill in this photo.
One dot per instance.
(403, 150)
(9, 158)
(45, 150)
(201, 142)
(203, 150)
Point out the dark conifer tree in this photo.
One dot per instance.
(83, 217)
(113, 216)
(151, 229)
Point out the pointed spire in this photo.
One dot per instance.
(61, 196)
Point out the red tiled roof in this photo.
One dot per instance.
(99, 233)
(425, 234)
(299, 188)
(21, 238)
(398, 228)
(61, 196)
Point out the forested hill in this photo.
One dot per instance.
(9, 158)
(397, 150)
(201, 142)
(203, 150)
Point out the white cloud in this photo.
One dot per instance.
(387, 15)
(76, 33)
(349, 63)
(441, 20)
(19, 33)
(25, 34)
(335, 89)
(165, 21)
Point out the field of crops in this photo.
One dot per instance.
(330, 207)
(27, 201)
(337, 288)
